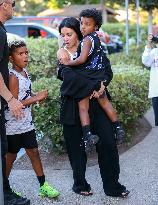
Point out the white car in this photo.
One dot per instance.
(33, 30)
(13, 37)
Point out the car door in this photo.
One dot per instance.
(35, 32)
(19, 30)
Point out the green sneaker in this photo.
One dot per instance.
(48, 191)
(17, 193)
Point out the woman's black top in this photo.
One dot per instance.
(80, 81)
(69, 107)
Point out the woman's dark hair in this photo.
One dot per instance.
(72, 23)
(93, 13)
(13, 45)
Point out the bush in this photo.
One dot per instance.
(46, 116)
(129, 87)
(129, 91)
(134, 58)
(42, 57)
(119, 29)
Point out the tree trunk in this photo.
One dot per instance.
(150, 21)
(138, 23)
(104, 12)
(127, 27)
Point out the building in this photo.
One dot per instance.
(74, 10)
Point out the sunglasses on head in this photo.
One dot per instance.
(13, 3)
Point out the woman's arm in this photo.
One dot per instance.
(14, 89)
(87, 44)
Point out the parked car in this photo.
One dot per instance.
(31, 30)
(117, 40)
(12, 37)
(44, 20)
(106, 39)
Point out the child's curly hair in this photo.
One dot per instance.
(92, 13)
(15, 44)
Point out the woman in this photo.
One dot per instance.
(108, 158)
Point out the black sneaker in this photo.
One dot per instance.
(90, 141)
(10, 198)
(120, 135)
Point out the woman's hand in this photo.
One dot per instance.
(65, 61)
(102, 88)
(95, 94)
(63, 56)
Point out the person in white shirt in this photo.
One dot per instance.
(150, 59)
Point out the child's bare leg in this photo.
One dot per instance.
(83, 111)
(111, 112)
(89, 139)
(45, 189)
(10, 158)
(107, 107)
(34, 156)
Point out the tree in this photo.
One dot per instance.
(149, 5)
(61, 3)
(29, 7)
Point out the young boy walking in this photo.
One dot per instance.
(21, 132)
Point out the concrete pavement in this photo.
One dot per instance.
(139, 172)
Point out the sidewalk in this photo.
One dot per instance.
(139, 172)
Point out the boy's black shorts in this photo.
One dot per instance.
(25, 140)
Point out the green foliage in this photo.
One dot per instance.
(61, 3)
(46, 116)
(129, 90)
(42, 57)
(119, 29)
(149, 4)
(30, 7)
(55, 3)
(122, 60)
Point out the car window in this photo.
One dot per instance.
(33, 32)
(36, 32)
(15, 29)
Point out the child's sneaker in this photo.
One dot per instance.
(89, 141)
(120, 135)
(48, 191)
(17, 193)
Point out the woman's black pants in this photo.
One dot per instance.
(108, 158)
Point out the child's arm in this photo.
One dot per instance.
(87, 44)
(14, 89)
